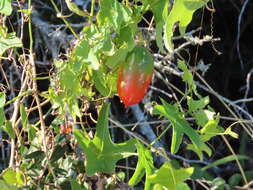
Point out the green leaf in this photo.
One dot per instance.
(101, 153)
(108, 47)
(218, 184)
(9, 129)
(111, 82)
(5, 7)
(99, 80)
(9, 175)
(74, 108)
(203, 116)
(234, 180)
(58, 152)
(180, 127)
(211, 129)
(171, 178)
(2, 99)
(70, 83)
(24, 117)
(6, 186)
(225, 160)
(127, 36)
(10, 41)
(187, 76)
(196, 109)
(86, 55)
(105, 82)
(144, 166)
(159, 10)
(201, 174)
(38, 154)
(113, 13)
(196, 105)
(118, 57)
(76, 186)
(74, 8)
(2, 117)
(228, 131)
(182, 12)
(13, 177)
(159, 187)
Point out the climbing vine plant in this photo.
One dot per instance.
(40, 154)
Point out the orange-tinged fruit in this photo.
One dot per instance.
(135, 76)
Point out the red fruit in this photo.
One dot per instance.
(135, 76)
(66, 128)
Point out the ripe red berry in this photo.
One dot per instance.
(135, 75)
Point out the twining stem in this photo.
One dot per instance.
(36, 96)
(35, 87)
(14, 118)
(64, 20)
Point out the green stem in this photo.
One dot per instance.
(92, 11)
(64, 20)
(19, 97)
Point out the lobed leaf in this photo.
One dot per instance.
(5, 7)
(113, 13)
(182, 12)
(180, 127)
(13, 177)
(145, 166)
(101, 153)
(8, 42)
(172, 179)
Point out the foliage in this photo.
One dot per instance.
(101, 153)
(68, 154)
(181, 12)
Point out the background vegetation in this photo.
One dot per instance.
(62, 125)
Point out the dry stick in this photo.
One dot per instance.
(2, 145)
(239, 32)
(247, 87)
(34, 82)
(202, 184)
(146, 129)
(35, 90)
(248, 185)
(195, 41)
(236, 159)
(13, 120)
(161, 153)
(5, 78)
(243, 100)
(199, 35)
(16, 106)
